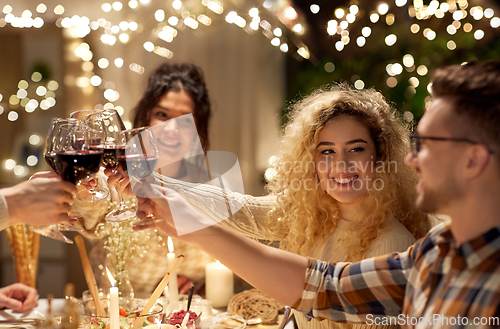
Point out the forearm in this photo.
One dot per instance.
(275, 272)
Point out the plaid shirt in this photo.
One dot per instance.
(434, 284)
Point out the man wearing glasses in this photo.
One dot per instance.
(448, 279)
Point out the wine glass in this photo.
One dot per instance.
(76, 161)
(51, 144)
(138, 159)
(114, 149)
(97, 134)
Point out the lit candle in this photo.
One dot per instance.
(114, 304)
(219, 284)
(173, 290)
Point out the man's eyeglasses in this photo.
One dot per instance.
(415, 141)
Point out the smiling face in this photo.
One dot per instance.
(344, 158)
(175, 137)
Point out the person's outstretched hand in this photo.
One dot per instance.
(40, 201)
(180, 218)
(18, 297)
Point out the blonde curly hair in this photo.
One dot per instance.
(309, 215)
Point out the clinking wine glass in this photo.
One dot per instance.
(51, 144)
(97, 136)
(114, 150)
(140, 160)
(141, 154)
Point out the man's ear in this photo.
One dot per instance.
(477, 162)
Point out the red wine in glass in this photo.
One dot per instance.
(75, 166)
(50, 158)
(138, 165)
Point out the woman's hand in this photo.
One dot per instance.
(18, 297)
(119, 179)
(180, 218)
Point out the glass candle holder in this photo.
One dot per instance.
(130, 311)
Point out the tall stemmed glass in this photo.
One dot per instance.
(52, 142)
(114, 148)
(76, 161)
(97, 135)
(137, 159)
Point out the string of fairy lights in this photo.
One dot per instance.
(279, 21)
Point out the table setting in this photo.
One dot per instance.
(76, 148)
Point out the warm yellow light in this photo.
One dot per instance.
(391, 39)
(103, 63)
(34, 139)
(177, 4)
(361, 41)
(117, 5)
(118, 62)
(9, 164)
(374, 17)
(383, 8)
(290, 13)
(59, 10)
(414, 82)
(359, 84)
(422, 70)
(7, 9)
(339, 13)
(401, 3)
(304, 52)
(32, 160)
(451, 45)
(329, 67)
(479, 34)
(160, 15)
(41, 8)
(124, 38)
(297, 28)
(254, 12)
(389, 19)
(408, 60)
(13, 116)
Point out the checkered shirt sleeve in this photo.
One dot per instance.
(333, 291)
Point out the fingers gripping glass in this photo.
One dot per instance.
(415, 141)
(60, 130)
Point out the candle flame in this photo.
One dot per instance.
(217, 261)
(111, 279)
(170, 245)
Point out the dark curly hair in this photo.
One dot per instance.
(176, 77)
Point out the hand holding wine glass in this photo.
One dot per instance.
(139, 160)
(113, 149)
(97, 136)
(52, 143)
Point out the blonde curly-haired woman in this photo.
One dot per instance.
(341, 191)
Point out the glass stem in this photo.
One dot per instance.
(120, 194)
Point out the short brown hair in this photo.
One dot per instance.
(475, 91)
